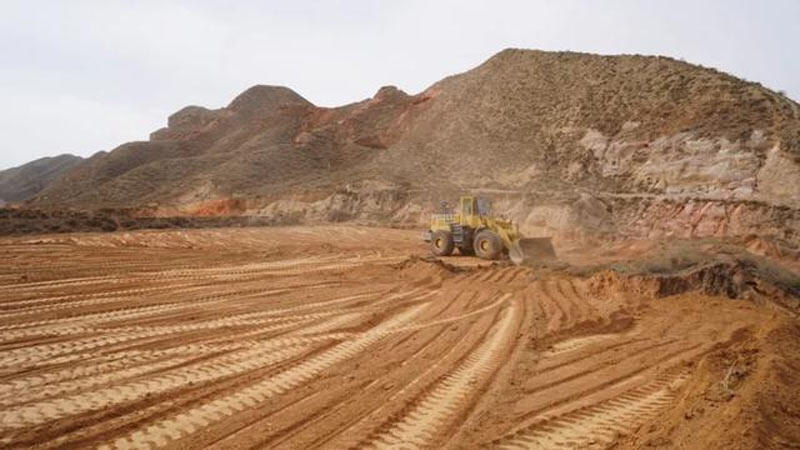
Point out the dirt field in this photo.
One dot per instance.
(309, 337)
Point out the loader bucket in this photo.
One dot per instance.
(532, 251)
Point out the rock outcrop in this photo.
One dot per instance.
(572, 145)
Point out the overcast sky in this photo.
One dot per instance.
(83, 76)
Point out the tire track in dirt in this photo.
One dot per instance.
(337, 322)
(579, 308)
(553, 314)
(248, 267)
(30, 394)
(266, 317)
(401, 381)
(255, 271)
(539, 314)
(566, 315)
(552, 361)
(37, 354)
(487, 274)
(73, 299)
(52, 328)
(14, 331)
(586, 386)
(442, 403)
(67, 351)
(498, 275)
(235, 273)
(107, 362)
(60, 283)
(104, 300)
(605, 361)
(574, 344)
(38, 413)
(602, 422)
(361, 427)
(99, 299)
(341, 316)
(190, 421)
(497, 303)
(110, 315)
(513, 275)
(270, 363)
(204, 283)
(405, 351)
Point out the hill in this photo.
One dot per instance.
(25, 181)
(570, 144)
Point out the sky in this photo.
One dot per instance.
(84, 76)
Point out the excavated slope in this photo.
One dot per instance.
(571, 145)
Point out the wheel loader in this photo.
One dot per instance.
(474, 231)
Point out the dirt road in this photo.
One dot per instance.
(329, 337)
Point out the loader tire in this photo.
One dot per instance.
(442, 243)
(487, 245)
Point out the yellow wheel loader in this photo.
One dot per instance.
(474, 231)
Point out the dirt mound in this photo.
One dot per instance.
(662, 268)
(743, 395)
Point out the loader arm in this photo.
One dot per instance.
(509, 236)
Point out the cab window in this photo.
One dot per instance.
(466, 207)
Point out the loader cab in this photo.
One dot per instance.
(471, 209)
(467, 206)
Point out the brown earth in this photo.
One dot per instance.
(306, 337)
(571, 145)
(15, 221)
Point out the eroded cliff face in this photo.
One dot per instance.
(679, 185)
(570, 145)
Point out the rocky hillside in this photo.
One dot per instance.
(25, 181)
(569, 144)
